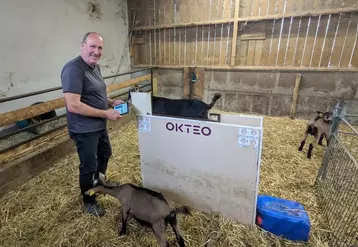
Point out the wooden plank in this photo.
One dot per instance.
(300, 6)
(138, 40)
(295, 96)
(259, 44)
(19, 165)
(258, 35)
(290, 6)
(254, 18)
(349, 44)
(35, 110)
(266, 43)
(127, 83)
(301, 13)
(300, 36)
(260, 68)
(251, 45)
(222, 46)
(309, 40)
(291, 41)
(235, 33)
(242, 47)
(281, 49)
(329, 40)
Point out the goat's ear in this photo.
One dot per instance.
(319, 112)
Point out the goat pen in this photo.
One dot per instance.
(337, 180)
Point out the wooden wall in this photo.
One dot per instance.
(258, 34)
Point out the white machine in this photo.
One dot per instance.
(211, 166)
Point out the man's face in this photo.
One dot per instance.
(92, 49)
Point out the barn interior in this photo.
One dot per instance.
(282, 60)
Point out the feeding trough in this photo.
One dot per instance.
(209, 165)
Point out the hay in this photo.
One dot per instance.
(25, 135)
(47, 210)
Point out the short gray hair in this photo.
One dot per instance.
(84, 40)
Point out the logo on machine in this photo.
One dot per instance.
(188, 128)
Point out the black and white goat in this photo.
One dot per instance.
(318, 127)
(189, 108)
(148, 207)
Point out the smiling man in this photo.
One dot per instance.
(87, 108)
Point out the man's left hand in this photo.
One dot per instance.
(117, 102)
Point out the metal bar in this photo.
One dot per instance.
(354, 47)
(345, 39)
(288, 41)
(33, 138)
(315, 38)
(58, 88)
(304, 46)
(31, 126)
(334, 40)
(62, 115)
(350, 126)
(346, 133)
(324, 41)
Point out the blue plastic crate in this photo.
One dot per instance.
(284, 218)
(22, 124)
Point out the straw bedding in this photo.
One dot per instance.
(47, 211)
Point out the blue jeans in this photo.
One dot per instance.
(94, 150)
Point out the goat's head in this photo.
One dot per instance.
(327, 116)
(135, 88)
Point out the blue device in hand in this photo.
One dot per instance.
(122, 108)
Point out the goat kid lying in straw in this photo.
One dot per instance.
(148, 207)
(319, 128)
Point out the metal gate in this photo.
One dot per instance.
(337, 180)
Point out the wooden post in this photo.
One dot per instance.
(295, 96)
(193, 90)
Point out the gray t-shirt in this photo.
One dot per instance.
(79, 78)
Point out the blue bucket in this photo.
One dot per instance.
(284, 218)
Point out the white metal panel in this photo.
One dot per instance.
(253, 121)
(142, 103)
(201, 164)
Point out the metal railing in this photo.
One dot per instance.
(337, 181)
(62, 116)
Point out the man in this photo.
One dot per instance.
(87, 108)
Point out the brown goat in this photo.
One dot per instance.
(319, 128)
(148, 207)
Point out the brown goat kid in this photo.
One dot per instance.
(148, 207)
(319, 128)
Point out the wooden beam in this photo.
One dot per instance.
(259, 68)
(253, 36)
(128, 83)
(35, 110)
(235, 32)
(295, 96)
(187, 24)
(28, 160)
(301, 14)
(254, 18)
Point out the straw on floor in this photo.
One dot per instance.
(47, 211)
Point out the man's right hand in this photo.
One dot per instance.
(112, 115)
